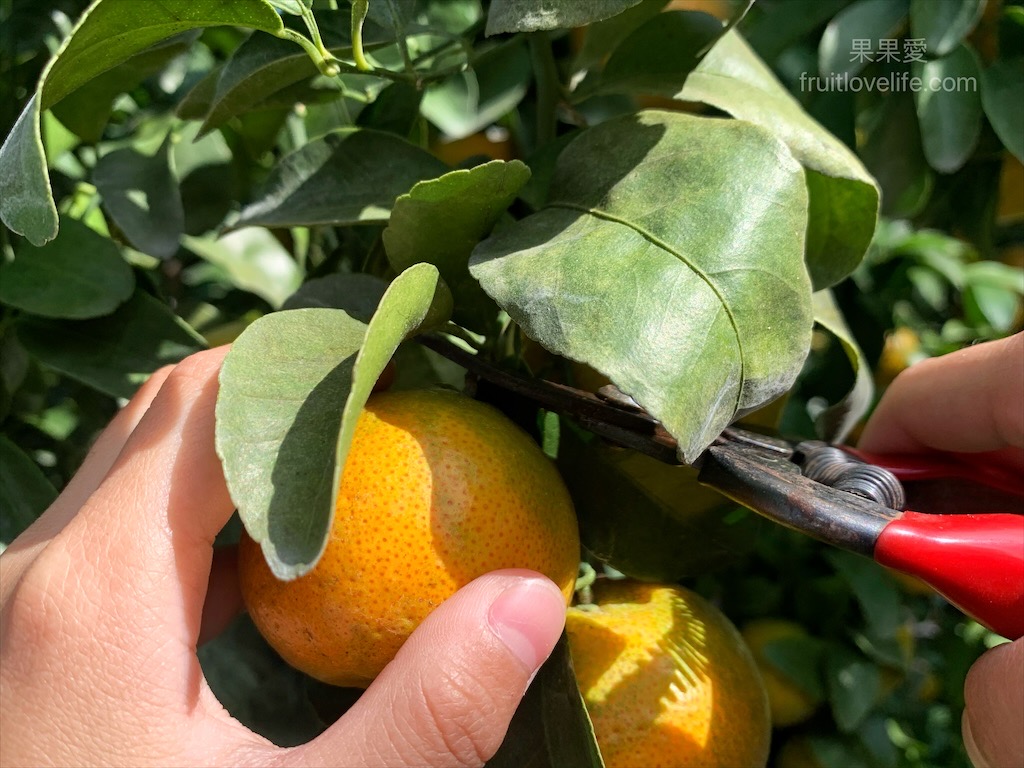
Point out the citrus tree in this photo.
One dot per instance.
(685, 200)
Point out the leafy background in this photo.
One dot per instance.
(205, 175)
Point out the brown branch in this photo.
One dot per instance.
(637, 430)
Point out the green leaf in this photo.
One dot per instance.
(892, 152)
(264, 65)
(107, 34)
(993, 294)
(950, 118)
(25, 493)
(441, 220)
(835, 422)
(1001, 86)
(114, 354)
(141, 195)
(658, 56)
(944, 24)
(534, 15)
(647, 519)
(87, 110)
(346, 177)
(878, 596)
(470, 101)
(864, 20)
(292, 6)
(551, 727)
(853, 687)
(798, 660)
(843, 196)
(356, 293)
(653, 266)
(78, 275)
(253, 260)
(282, 435)
(395, 109)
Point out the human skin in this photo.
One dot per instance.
(105, 598)
(969, 401)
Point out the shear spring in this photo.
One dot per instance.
(837, 469)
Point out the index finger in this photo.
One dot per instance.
(967, 401)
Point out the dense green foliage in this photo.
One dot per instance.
(695, 206)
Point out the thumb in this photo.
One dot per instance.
(993, 721)
(450, 693)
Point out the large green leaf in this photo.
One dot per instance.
(943, 24)
(1001, 86)
(25, 493)
(107, 34)
(141, 195)
(843, 196)
(654, 266)
(950, 118)
(534, 15)
(114, 354)
(292, 389)
(836, 421)
(346, 177)
(78, 275)
(441, 220)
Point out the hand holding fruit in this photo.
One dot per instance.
(969, 401)
(105, 598)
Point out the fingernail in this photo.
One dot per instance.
(970, 745)
(528, 618)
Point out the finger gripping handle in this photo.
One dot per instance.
(974, 561)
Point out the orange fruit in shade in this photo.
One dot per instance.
(790, 704)
(437, 490)
(667, 679)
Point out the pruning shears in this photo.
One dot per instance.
(974, 556)
(957, 524)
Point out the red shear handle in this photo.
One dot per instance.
(974, 561)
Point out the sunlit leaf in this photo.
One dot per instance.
(440, 221)
(107, 34)
(653, 266)
(292, 389)
(843, 196)
(253, 260)
(534, 15)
